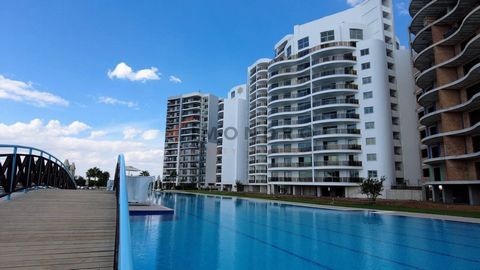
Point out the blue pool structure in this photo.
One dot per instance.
(214, 232)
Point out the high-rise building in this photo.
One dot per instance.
(445, 35)
(257, 142)
(232, 140)
(190, 140)
(332, 100)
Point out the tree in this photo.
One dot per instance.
(80, 181)
(93, 173)
(103, 179)
(372, 187)
(144, 173)
(239, 186)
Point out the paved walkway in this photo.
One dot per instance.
(58, 229)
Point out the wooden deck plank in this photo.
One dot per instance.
(58, 229)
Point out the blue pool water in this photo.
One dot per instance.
(209, 232)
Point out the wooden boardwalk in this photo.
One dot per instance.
(58, 229)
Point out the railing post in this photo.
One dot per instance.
(12, 175)
(28, 170)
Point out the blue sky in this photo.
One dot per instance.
(57, 55)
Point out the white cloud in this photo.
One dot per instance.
(131, 133)
(97, 134)
(402, 7)
(84, 150)
(151, 134)
(123, 71)
(175, 79)
(25, 92)
(354, 2)
(114, 101)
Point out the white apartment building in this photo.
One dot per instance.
(232, 143)
(257, 142)
(333, 101)
(190, 144)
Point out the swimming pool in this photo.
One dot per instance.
(210, 232)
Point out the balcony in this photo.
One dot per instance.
(334, 101)
(275, 123)
(347, 163)
(336, 131)
(338, 179)
(334, 86)
(290, 179)
(290, 165)
(337, 147)
(336, 116)
(289, 150)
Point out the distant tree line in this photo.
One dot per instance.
(95, 177)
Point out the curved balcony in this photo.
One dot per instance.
(294, 151)
(288, 97)
(337, 103)
(438, 137)
(430, 96)
(433, 116)
(295, 165)
(334, 75)
(290, 179)
(279, 111)
(298, 85)
(340, 47)
(330, 179)
(423, 38)
(472, 50)
(452, 37)
(441, 159)
(290, 137)
(334, 148)
(337, 132)
(344, 117)
(289, 123)
(327, 164)
(435, 9)
(290, 72)
(340, 88)
(416, 5)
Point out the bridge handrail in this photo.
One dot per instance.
(123, 246)
(42, 154)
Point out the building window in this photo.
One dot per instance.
(371, 141)
(327, 36)
(356, 33)
(367, 95)
(369, 125)
(289, 51)
(393, 93)
(364, 52)
(372, 174)
(371, 157)
(426, 173)
(366, 80)
(232, 95)
(303, 43)
(368, 110)
(366, 66)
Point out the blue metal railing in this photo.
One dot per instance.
(16, 151)
(123, 246)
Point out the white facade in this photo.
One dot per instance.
(334, 107)
(232, 142)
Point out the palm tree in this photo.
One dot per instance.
(144, 173)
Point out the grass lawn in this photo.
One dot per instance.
(387, 205)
